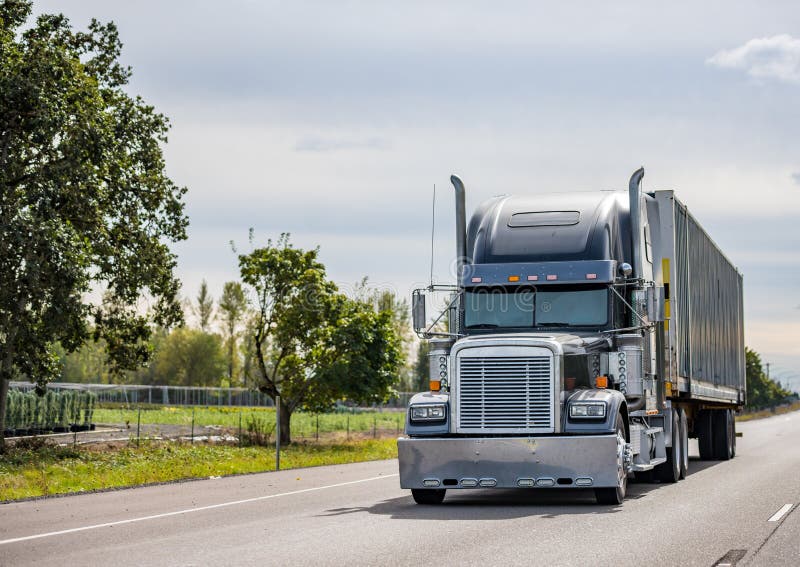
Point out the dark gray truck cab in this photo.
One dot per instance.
(591, 334)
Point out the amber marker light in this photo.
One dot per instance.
(513, 278)
(601, 382)
(435, 385)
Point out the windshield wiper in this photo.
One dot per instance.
(482, 326)
(554, 324)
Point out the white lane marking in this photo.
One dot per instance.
(780, 513)
(190, 510)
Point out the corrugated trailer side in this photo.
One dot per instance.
(706, 330)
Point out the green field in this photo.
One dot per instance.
(38, 471)
(304, 425)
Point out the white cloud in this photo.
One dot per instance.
(776, 57)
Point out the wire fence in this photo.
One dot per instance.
(228, 424)
(138, 394)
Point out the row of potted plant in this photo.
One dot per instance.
(55, 412)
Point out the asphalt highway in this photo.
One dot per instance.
(739, 512)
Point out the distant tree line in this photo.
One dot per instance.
(762, 392)
(215, 347)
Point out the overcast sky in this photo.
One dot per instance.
(334, 120)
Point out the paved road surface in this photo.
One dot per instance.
(357, 515)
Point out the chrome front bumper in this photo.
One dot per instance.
(508, 462)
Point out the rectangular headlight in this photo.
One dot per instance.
(587, 410)
(428, 412)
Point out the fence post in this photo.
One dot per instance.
(374, 427)
(317, 427)
(138, 426)
(348, 426)
(192, 425)
(277, 433)
(240, 428)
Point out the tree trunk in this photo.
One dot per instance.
(4, 383)
(286, 416)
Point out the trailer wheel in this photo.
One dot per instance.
(428, 495)
(684, 429)
(610, 494)
(670, 471)
(704, 431)
(723, 435)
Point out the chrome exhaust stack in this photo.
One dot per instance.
(635, 196)
(461, 227)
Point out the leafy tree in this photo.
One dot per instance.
(232, 309)
(422, 368)
(85, 203)
(190, 357)
(398, 308)
(761, 391)
(86, 364)
(249, 372)
(204, 309)
(313, 344)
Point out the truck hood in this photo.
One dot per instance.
(570, 343)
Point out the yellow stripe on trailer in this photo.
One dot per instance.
(665, 279)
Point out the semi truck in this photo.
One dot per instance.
(588, 336)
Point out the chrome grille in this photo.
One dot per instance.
(505, 394)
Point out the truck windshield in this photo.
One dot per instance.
(529, 307)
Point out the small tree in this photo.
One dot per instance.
(189, 357)
(232, 309)
(84, 199)
(313, 344)
(204, 309)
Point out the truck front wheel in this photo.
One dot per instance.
(610, 494)
(428, 495)
(671, 470)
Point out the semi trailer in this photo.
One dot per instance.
(588, 336)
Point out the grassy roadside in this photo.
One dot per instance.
(769, 412)
(38, 471)
(303, 424)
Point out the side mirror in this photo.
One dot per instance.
(418, 310)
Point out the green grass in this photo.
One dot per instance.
(42, 470)
(768, 412)
(304, 425)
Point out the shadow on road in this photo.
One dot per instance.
(507, 504)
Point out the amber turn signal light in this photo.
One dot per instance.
(436, 385)
(601, 382)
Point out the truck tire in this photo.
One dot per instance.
(428, 495)
(614, 495)
(670, 471)
(723, 435)
(704, 431)
(684, 429)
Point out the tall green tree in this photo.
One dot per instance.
(313, 344)
(761, 391)
(190, 357)
(204, 308)
(85, 203)
(232, 309)
(387, 300)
